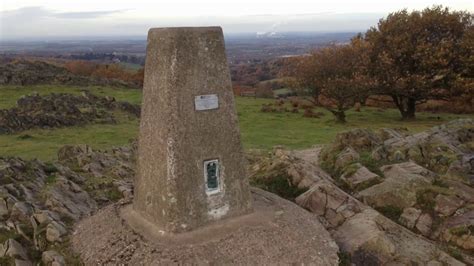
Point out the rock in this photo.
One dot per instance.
(359, 139)
(344, 158)
(55, 232)
(392, 133)
(372, 238)
(67, 198)
(23, 263)
(21, 211)
(461, 190)
(424, 224)
(434, 263)
(458, 230)
(399, 186)
(52, 258)
(362, 232)
(46, 216)
(447, 205)
(367, 236)
(409, 217)
(3, 249)
(328, 201)
(70, 153)
(15, 250)
(360, 178)
(3, 209)
(462, 168)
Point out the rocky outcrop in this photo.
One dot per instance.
(30, 193)
(39, 203)
(438, 149)
(425, 179)
(109, 173)
(61, 110)
(37, 72)
(363, 234)
(359, 177)
(399, 187)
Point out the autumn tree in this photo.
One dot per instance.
(337, 76)
(419, 56)
(302, 71)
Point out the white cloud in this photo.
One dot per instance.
(52, 18)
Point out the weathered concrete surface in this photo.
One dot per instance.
(277, 233)
(175, 139)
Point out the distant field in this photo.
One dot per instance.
(259, 130)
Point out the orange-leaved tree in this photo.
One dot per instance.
(420, 56)
(336, 76)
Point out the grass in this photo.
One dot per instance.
(44, 143)
(258, 130)
(265, 130)
(10, 94)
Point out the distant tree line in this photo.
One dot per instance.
(108, 71)
(411, 57)
(251, 72)
(133, 59)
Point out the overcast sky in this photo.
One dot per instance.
(63, 18)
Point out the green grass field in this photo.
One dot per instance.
(259, 130)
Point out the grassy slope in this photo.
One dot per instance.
(259, 130)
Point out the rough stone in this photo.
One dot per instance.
(52, 258)
(55, 232)
(188, 118)
(3, 209)
(23, 263)
(409, 217)
(67, 198)
(15, 250)
(346, 157)
(399, 186)
(366, 235)
(22, 211)
(447, 205)
(424, 224)
(360, 177)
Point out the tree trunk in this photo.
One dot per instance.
(406, 105)
(340, 116)
(316, 100)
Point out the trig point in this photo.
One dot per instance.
(192, 203)
(191, 167)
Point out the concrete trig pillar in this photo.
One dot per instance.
(191, 167)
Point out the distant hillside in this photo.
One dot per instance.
(37, 72)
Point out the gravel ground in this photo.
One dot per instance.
(278, 232)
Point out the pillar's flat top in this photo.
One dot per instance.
(178, 29)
